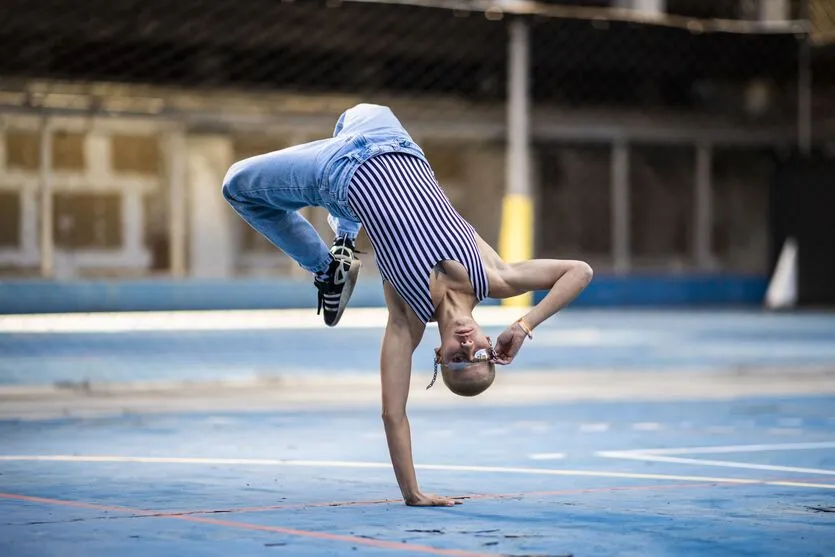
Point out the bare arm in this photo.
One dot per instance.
(564, 280)
(402, 336)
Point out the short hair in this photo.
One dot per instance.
(468, 378)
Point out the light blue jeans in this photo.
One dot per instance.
(268, 190)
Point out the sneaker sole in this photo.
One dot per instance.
(347, 290)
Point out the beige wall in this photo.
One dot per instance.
(101, 174)
(112, 199)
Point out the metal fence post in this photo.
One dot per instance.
(47, 239)
(703, 207)
(621, 244)
(516, 235)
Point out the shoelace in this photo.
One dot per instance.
(343, 254)
(341, 244)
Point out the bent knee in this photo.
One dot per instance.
(585, 271)
(236, 182)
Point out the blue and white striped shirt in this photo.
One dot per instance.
(413, 227)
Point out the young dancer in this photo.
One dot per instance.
(434, 265)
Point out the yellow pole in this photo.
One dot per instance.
(516, 238)
(516, 234)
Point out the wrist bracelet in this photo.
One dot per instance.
(525, 327)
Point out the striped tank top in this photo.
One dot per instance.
(413, 227)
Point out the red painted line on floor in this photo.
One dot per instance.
(474, 496)
(189, 517)
(815, 480)
(384, 544)
(336, 537)
(76, 504)
(288, 506)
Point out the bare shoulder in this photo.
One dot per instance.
(498, 270)
(491, 259)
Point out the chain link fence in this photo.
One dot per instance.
(108, 109)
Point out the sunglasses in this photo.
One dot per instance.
(480, 355)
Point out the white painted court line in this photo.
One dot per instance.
(723, 463)
(720, 429)
(594, 428)
(664, 455)
(737, 448)
(647, 426)
(802, 484)
(494, 431)
(386, 465)
(546, 456)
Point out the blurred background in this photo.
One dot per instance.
(684, 148)
(674, 144)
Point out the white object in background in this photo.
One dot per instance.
(782, 290)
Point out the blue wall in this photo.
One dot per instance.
(38, 296)
(685, 290)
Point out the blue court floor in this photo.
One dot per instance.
(690, 473)
(206, 348)
(747, 477)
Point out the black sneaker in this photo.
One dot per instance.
(343, 248)
(336, 289)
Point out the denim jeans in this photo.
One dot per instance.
(268, 190)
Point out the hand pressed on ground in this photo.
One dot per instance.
(430, 500)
